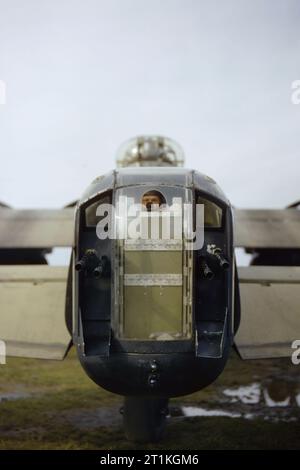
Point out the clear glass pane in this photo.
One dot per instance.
(212, 213)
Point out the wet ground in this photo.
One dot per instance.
(48, 404)
(274, 400)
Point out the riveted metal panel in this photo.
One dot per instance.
(153, 312)
(158, 262)
(153, 279)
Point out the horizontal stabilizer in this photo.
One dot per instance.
(37, 228)
(32, 311)
(267, 228)
(47, 228)
(270, 311)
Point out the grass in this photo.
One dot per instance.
(59, 402)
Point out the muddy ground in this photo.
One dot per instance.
(54, 405)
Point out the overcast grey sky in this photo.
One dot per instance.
(84, 75)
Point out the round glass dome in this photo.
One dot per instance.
(150, 151)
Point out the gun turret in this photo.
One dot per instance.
(205, 269)
(217, 253)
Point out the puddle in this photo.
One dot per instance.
(273, 399)
(272, 403)
(13, 396)
(192, 411)
(272, 393)
(247, 394)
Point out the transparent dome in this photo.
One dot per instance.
(150, 151)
